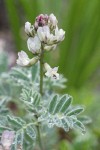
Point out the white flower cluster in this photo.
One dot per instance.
(44, 36)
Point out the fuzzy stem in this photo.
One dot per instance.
(41, 92)
(41, 74)
(39, 138)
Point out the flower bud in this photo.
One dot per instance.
(52, 21)
(41, 21)
(29, 29)
(60, 34)
(34, 45)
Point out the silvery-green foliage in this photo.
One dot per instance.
(31, 99)
(29, 78)
(21, 85)
(21, 128)
(60, 113)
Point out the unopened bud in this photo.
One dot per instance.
(29, 29)
(52, 21)
(41, 21)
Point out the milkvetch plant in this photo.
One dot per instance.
(37, 83)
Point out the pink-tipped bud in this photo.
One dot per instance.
(41, 21)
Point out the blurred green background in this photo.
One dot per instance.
(78, 56)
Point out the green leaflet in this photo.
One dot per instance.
(36, 99)
(79, 125)
(30, 131)
(2, 128)
(59, 106)
(30, 97)
(65, 124)
(16, 121)
(66, 104)
(85, 119)
(75, 111)
(19, 139)
(63, 104)
(52, 104)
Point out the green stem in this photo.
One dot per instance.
(39, 138)
(41, 92)
(41, 73)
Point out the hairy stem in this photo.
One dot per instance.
(39, 138)
(41, 92)
(41, 74)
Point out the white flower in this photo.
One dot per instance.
(51, 72)
(49, 38)
(43, 33)
(60, 34)
(29, 29)
(34, 45)
(23, 59)
(52, 21)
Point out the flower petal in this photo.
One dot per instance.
(51, 72)
(34, 44)
(23, 59)
(29, 29)
(52, 20)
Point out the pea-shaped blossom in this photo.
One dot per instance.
(34, 45)
(49, 38)
(44, 33)
(60, 34)
(29, 29)
(51, 72)
(24, 60)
